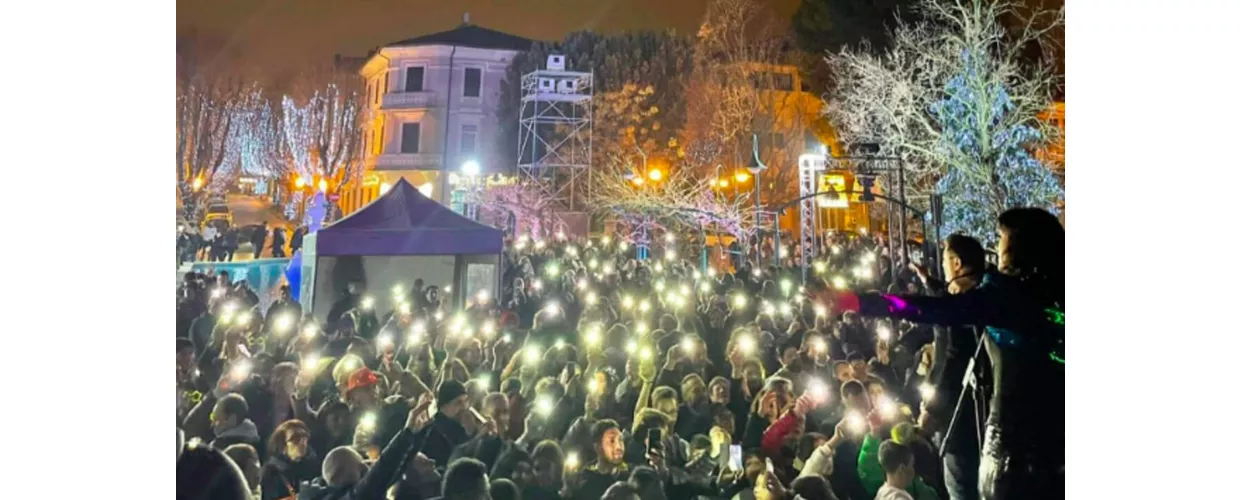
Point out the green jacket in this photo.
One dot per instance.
(873, 477)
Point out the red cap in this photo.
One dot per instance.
(363, 377)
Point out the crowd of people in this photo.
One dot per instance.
(219, 242)
(592, 375)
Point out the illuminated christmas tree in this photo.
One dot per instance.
(990, 167)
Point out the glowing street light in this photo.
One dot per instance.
(471, 168)
(323, 185)
(742, 176)
(655, 175)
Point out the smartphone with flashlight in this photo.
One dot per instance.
(735, 459)
(654, 439)
(770, 466)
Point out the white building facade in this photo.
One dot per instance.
(433, 105)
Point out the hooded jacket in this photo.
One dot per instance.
(243, 433)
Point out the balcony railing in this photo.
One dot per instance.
(409, 161)
(410, 100)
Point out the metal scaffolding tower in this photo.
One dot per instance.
(810, 167)
(556, 133)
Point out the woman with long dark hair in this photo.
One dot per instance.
(291, 461)
(1021, 307)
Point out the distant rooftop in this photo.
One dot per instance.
(470, 35)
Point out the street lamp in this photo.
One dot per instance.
(323, 185)
(299, 182)
(756, 167)
(656, 175)
(471, 168)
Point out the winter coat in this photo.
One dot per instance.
(691, 422)
(1024, 343)
(441, 437)
(290, 307)
(281, 477)
(385, 471)
(487, 449)
(200, 332)
(243, 433)
(592, 483)
(295, 241)
(189, 311)
(258, 239)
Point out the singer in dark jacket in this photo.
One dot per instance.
(1021, 308)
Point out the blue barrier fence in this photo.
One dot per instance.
(263, 275)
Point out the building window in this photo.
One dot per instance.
(379, 140)
(413, 78)
(410, 136)
(783, 81)
(384, 79)
(469, 139)
(473, 82)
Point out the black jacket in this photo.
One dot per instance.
(441, 437)
(375, 483)
(592, 483)
(282, 478)
(244, 433)
(1021, 339)
(294, 242)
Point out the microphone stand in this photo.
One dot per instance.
(970, 384)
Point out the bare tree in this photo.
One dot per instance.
(679, 198)
(523, 207)
(321, 131)
(206, 117)
(742, 84)
(256, 134)
(888, 98)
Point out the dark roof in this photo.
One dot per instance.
(349, 63)
(470, 35)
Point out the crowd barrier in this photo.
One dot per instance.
(263, 275)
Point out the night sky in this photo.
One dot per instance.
(277, 37)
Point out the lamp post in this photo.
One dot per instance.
(470, 170)
(756, 167)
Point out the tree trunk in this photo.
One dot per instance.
(191, 204)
